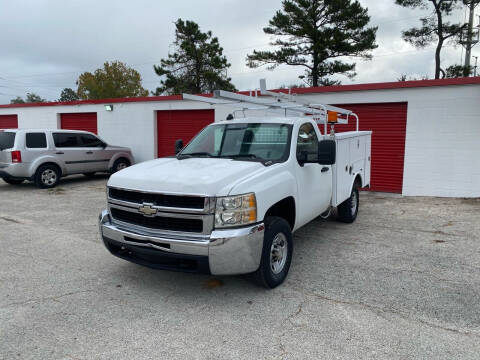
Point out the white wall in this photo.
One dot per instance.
(442, 150)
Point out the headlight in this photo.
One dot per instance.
(235, 210)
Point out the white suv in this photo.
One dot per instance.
(43, 156)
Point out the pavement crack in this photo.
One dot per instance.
(381, 311)
(51, 298)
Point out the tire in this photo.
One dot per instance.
(277, 241)
(348, 210)
(13, 181)
(120, 164)
(90, 174)
(47, 176)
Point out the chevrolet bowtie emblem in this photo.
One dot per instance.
(147, 210)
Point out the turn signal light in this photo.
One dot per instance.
(16, 156)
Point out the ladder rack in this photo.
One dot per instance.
(275, 101)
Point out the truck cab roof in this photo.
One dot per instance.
(264, 119)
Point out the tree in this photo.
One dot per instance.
(114, 80)
(456, 71)
(68, 95)
(316, 35)
(30, 98)
(434, 27)
(197, 64)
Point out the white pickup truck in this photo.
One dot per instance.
(229, 201)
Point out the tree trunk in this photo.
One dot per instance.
(437, 58)
(315, 71)
(440, 39)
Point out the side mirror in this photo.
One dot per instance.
(104, 145)
(178, 146)
(327, 152)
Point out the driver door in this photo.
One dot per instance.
(314, 181)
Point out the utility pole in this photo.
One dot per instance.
(470, 41)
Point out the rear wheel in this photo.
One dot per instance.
(13, 181)
(47, 176)
(348, 210)
(277, 253)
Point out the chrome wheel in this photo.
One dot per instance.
(278, 253)
(354, 202)
(49, 177)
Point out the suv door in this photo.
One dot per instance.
(314, 180)
(69, 149)
(97, 155)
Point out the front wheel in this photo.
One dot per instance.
(348, 210)
(13, 181)
(120, 164)
(277, 253)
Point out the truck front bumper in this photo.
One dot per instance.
(223, 252)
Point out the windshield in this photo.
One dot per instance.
(261, 142)
(7, 140)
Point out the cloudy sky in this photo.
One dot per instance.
(46, 44)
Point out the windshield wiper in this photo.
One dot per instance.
(239, 156)
(189, 155)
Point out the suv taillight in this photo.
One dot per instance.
(16, 156)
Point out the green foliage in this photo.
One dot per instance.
(197, 64)
(115, 80)
(30, 98)
(17, 100)
(404, 77)
(456, 71)
(434, 27)
(317, 34)
(68, 95)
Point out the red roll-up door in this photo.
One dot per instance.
(180, 124)
(8, 122)
(79, 121)
(388, 123)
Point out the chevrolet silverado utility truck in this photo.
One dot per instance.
(229, 201)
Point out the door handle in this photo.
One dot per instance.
(59, 153)
(325, 169)
(89, 152)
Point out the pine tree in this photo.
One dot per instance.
(318, 35)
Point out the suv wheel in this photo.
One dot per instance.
(13, 181)
(47, 176)
(277, 253)
(120, 164)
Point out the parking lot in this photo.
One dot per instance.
(402, 282)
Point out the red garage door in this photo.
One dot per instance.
(388, 122)
(79, 121)
(8, 121)
(180, 124)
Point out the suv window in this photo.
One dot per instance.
(66, 140)
(307, 142)
(36, 140)
(7, 140)
(90, 140)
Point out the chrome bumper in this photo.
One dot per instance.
(229, 252)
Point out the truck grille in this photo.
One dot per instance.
(176, 201)
(158, 222)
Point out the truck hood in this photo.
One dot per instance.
(194, 176)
